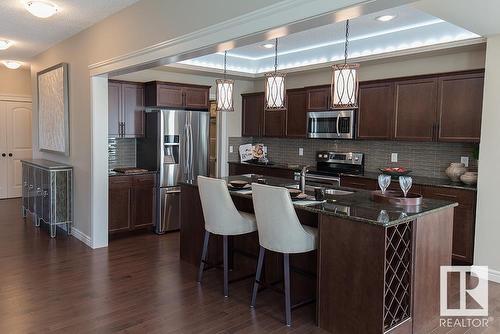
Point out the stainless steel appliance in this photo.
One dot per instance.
(330, 165)
(337, 124)
(176, 145)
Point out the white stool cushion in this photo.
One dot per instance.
(221, 216)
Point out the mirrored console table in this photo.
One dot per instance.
(47, 193)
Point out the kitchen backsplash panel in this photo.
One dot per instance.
(424, 159)
(121, 152)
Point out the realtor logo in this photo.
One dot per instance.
(478, 293)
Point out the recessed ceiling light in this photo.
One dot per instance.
(385, 18)
(13, 65)
(268, 45)
(5, 44)
(41, 9)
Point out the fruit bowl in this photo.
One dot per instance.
(395, 171)
(238, 183)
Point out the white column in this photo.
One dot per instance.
(487, 245)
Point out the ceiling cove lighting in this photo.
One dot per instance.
(41, 9)
(385, 18)
(275, 86)
(344, 87)
(13, 65)
(224, 91)
(5, 44)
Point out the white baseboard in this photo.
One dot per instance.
(494, 275)
(81, 236)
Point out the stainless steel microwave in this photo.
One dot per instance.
(335, 124)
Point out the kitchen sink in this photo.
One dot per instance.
(328, 191)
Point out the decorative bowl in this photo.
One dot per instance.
(238, 183)
(469, 178)
(395, 171)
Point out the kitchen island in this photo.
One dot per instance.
(377, 266)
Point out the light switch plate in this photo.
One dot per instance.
(301, 151)
(394, 157)
(230, 148)
(465, 161)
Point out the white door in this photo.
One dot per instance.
(3, 151)
(18, 122)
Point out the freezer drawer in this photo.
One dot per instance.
(170, 210)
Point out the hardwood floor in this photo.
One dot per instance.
(136, 285)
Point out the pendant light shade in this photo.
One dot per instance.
(275, 86)
(224, 91)
(344, 88)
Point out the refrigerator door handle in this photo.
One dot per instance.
(186, 153)
(191, 157)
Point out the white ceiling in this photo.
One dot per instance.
(412, 29)
(32, 35)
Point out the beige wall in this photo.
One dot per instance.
(15, 82)
(487, 246)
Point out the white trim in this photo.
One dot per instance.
(494, 275)
(81, 236)
(16, 98)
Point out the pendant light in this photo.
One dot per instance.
(275, 86)
(344, 88)
(224, 91)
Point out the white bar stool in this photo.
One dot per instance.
(280, 231)
(221, 218)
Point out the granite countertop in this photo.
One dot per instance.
(112, 173)
(357, 206)
(47, 164)
(421, 180)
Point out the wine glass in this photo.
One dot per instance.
(383, 217)
(384, 181)
(405, 183)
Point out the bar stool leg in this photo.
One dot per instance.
(286, 272)
(203, 256)
(226, 266)
(258, 272)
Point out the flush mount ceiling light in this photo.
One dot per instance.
(268, 45)
(224, 91)
(344, 88)
(275, 86)
(385, 18)
(13, 65)
(5, 44)
(41, 9)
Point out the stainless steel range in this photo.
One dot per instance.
(330, 165)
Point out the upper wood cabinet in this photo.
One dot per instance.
(415, 113)
(460, 103)
(318, 98)
(296, 114)
(274, 123)
(177, 96)
(376, 111)
(125, 109)
(252, 118)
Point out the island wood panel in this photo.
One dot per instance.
(415, 113)
(351, 261)
(432, 249)
(376, 111)
(460, 103)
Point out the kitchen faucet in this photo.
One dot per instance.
(303, 173)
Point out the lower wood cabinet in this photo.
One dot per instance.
(464, 220)
(132, 202)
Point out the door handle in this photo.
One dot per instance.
(10, 154)
(4, 155)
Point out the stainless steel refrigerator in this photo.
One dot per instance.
(176, 145)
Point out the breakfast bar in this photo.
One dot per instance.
(376, 269)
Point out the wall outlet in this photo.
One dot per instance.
(231, 149)
(301, 151)
(394, 157)
(465, 161)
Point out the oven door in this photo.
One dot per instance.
(331, 124)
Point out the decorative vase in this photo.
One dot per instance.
(469, 178)
(455, 170)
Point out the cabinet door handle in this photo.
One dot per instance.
(4, 155)
(10, 154)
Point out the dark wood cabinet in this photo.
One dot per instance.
(415, 112)
(252, 118)
(274, 123)
(376, 111)
(460, 103)
(125, 109)
(132, 202)
(176, 96)
(318, 98)
(296, 114)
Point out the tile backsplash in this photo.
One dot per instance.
(121, 152)
(424, 159)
